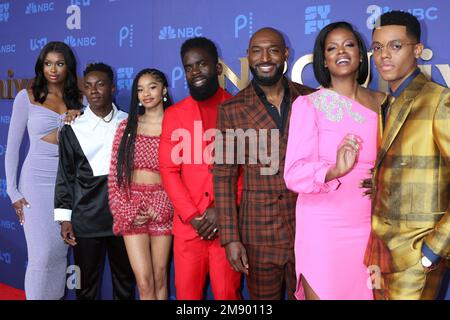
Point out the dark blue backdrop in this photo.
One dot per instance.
(133, 34)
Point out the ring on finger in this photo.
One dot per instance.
(215, 230)
(355, 145)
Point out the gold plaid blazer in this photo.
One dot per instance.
(412, 174)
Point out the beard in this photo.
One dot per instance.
(267, 81)
(207, 90)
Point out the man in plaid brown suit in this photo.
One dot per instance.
(411, 212)
(259, 235)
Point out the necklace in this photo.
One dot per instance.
(112, 116)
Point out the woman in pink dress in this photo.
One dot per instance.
(331, 149)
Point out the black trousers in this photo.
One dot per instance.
(89, 255)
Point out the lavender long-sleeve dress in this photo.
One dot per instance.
(46, 270)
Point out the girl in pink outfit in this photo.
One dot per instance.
(331, 148)
(141, 209)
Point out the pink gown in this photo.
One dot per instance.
(332, 219)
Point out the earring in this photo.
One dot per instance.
(140, 104)
(165, 99)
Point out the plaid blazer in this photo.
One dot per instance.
(266, 215)
(412, 175)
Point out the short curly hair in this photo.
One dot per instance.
(401, 18)
(102, 67)
(203, 43)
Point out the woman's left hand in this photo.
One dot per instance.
(154, 216)
(71, 115)
(141, 219)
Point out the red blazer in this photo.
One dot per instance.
(186, 176)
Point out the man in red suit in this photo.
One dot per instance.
(185, 155)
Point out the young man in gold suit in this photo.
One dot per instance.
(412, 172)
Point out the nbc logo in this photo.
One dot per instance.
(168, 32)
(33, 8)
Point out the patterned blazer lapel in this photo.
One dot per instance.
(261, 119)
(399, 111)
(256, 111)
(283, 138)
(295, 93)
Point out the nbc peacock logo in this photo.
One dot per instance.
(169, 32)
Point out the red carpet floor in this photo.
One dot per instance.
(10, 293)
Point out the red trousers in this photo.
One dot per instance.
(194, 259)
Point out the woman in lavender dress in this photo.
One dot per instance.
(40, 111)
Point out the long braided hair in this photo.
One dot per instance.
(125, 155)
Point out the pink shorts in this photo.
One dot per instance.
(146, 196)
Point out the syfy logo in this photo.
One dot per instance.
(80, 41)
(3, 186)
(33, 8)
(7, 48)
(242, 22)
(420, 13)
(37, 44)
(5, 119)
(126, 33)
(8, 225)
(168, 32)
(316, 18)
(124, 78)
(4, 12)
(5, 257)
